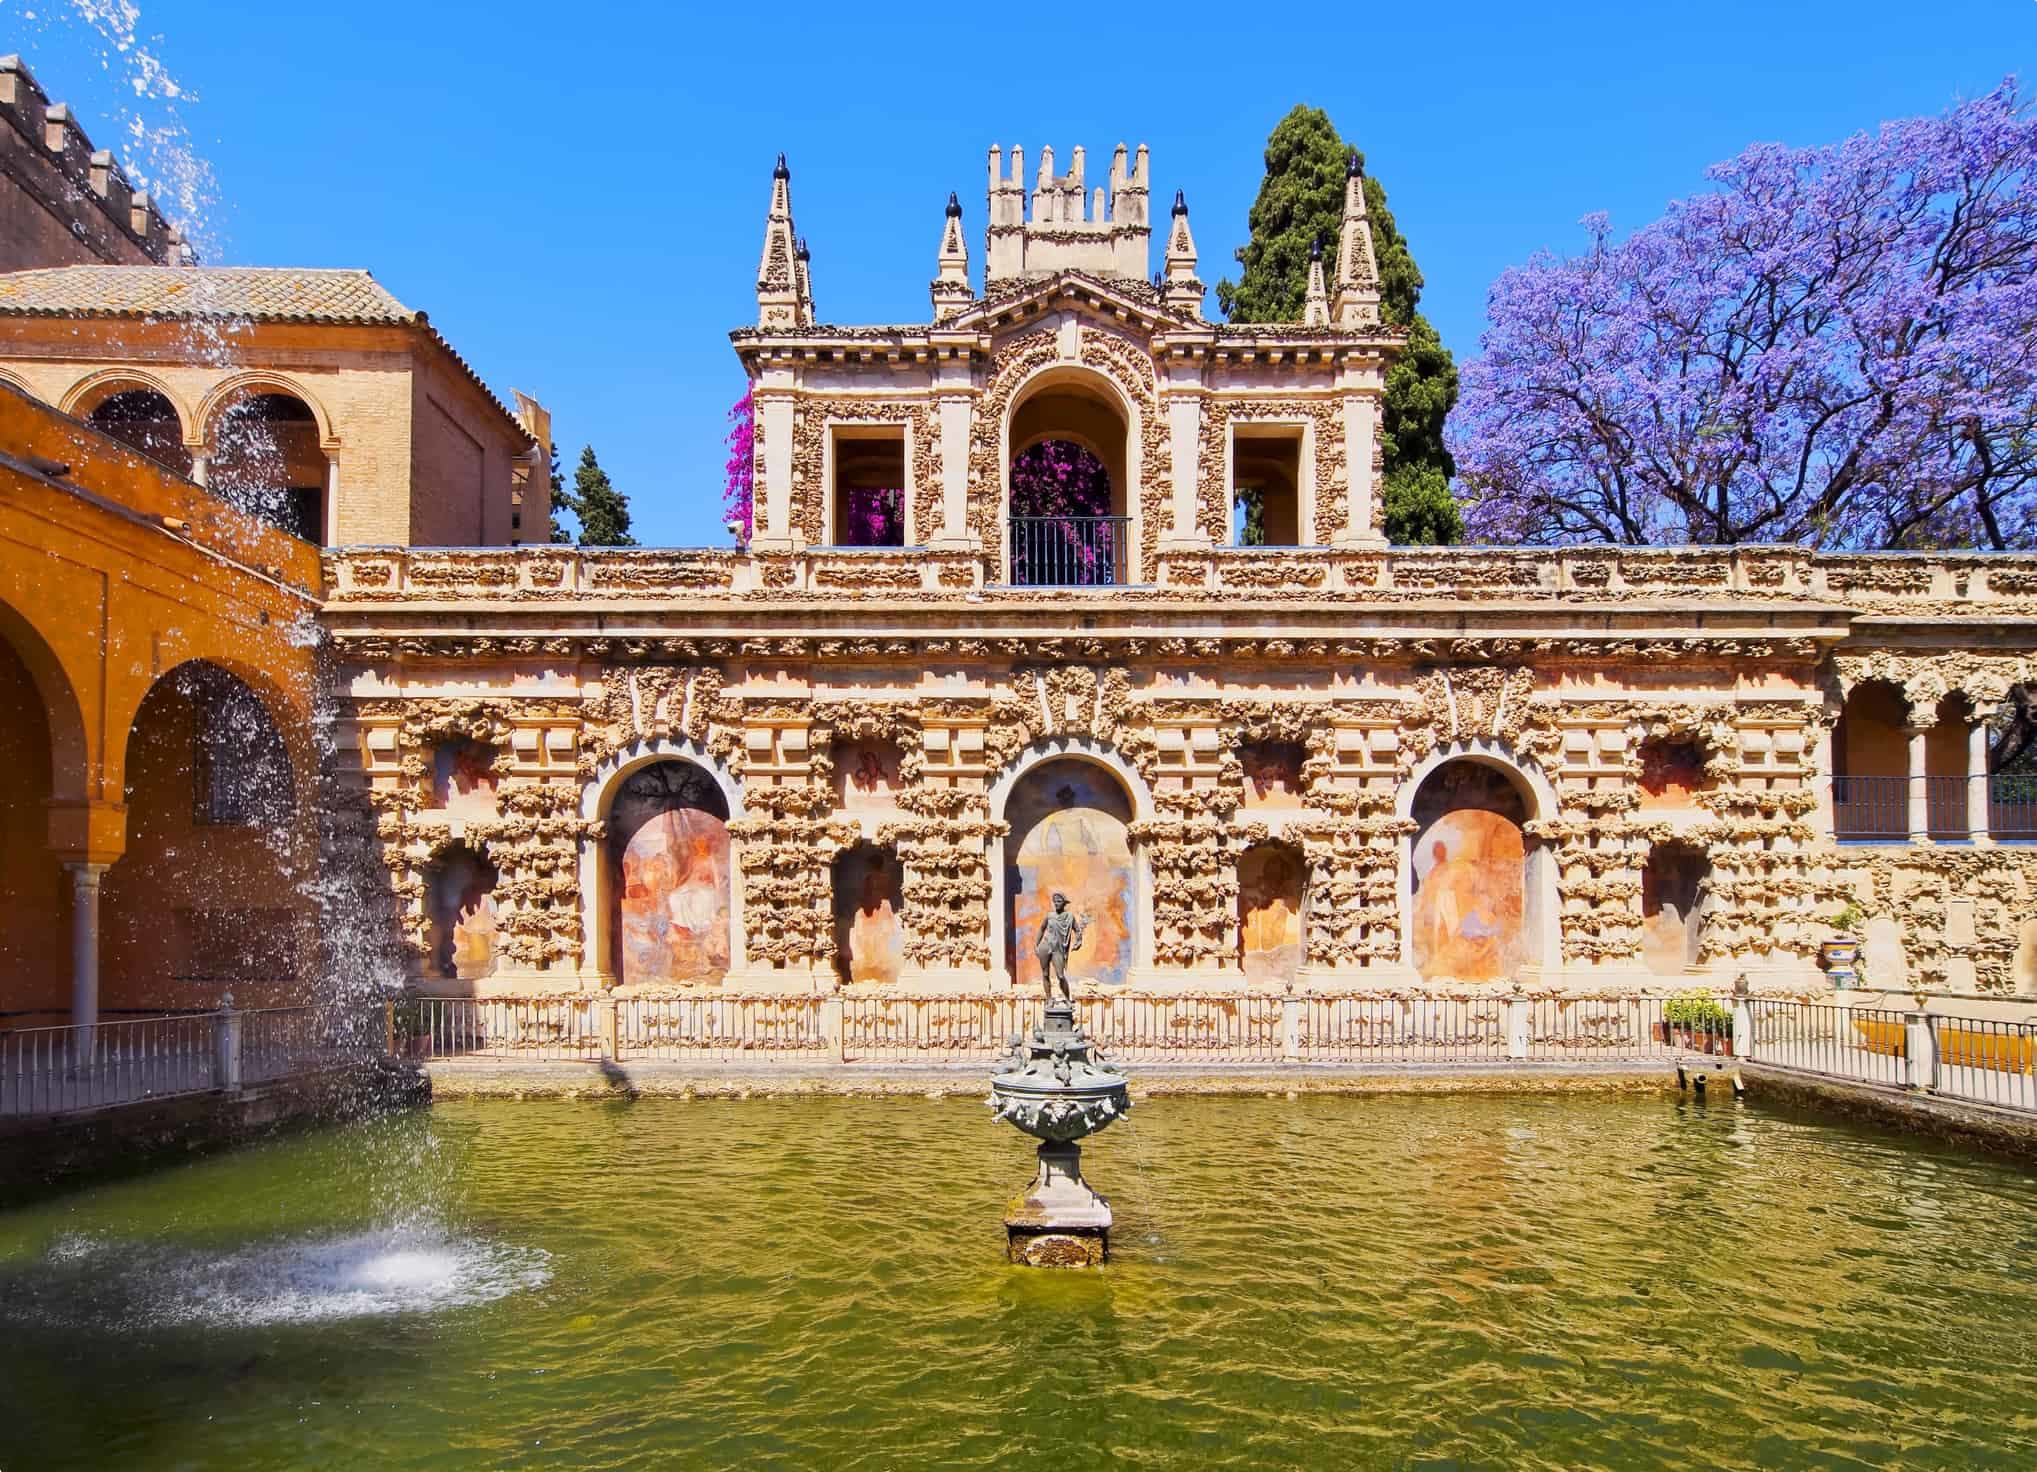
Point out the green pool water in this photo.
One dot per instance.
(1478, 1281)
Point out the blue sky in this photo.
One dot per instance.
(576, 195)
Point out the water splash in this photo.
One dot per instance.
(410, 1268)
(140, 96)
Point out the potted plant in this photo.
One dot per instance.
(1699, 1021)
(1840, 956)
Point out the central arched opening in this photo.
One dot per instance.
(266, 459)
(1472, 918)
(460, 936)
(1070, 835)
(1069, 479)
(869, 894)
(669, 876)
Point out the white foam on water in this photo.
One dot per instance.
(410, 1269)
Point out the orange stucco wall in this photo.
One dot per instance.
(113, 572)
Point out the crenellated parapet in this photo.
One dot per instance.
(68, 202)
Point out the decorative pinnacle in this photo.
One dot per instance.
(1315, 249)
(954, 205)
(781, 172)
(1354, 167)
(801, 251)
(1180, 203)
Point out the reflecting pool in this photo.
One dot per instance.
(1477, 1281)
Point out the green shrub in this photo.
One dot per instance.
(1698, 1010)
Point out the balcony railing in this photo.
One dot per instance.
(1871, 809)
(1068, 551)
(2012, 806)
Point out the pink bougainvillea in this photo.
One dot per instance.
(738, 496)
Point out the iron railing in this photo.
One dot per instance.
(1069, 551)
(1863, 1044)
(2012, 806)
(61, 1070)
(1986, 1062)
(1871, 809)
(720, 1027)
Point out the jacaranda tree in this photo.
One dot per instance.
(1835, 346)
(738, 492)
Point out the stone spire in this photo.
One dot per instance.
(1182, 292)
(779, 289)
(1356, 303)
(950, 287)
(1315, 311)
(803, 261)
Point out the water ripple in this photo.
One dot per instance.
(1381, 1282)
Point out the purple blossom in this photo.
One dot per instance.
(1833, 345)
(738, 496)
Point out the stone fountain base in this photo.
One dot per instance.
(1058, 1221)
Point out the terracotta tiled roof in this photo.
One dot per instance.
(260, 294)
(246, 293)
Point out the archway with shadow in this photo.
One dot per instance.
(669, 876)
(1068, 481)
(213, 893)
(1477, 909)
(1071, 835)
(266, 459)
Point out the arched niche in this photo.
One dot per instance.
(1673, 890)
(1271, 885)
(670, 876)
(459, 899)
(868, 899)
(1478, 896)
(1070, 833)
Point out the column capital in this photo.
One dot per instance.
(87, 832)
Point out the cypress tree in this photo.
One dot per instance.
(1301, 197)
(602, 509)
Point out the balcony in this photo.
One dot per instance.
(1069, 551)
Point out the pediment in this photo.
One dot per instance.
(1121, 304)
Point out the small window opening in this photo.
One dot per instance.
(869, 489)
(1266, 486)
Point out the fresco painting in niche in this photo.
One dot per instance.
(1470, 869)
(460, 898)
(1269, 906)
(669, 847)
(1272, 774)
(1671, 771)
(463, 779)
(1068, 835)
(1671, 886)
(866, 776)
(869, 942)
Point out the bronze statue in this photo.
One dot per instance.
(1060, 933)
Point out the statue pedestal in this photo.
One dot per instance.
(1058, 1222)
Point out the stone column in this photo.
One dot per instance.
(201, 467)
(1977, 782)
(331, 529)
(1919, 797)
(1361, 440)
(85, 942)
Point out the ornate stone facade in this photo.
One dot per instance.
(1642, 741)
